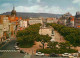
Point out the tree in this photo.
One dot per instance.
(52, 45)
(68, 45)
(43, 39)
(27, 36)
(70, 34)
(62, 45)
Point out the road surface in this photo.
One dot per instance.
(10, 46)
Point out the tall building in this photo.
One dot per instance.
(64, 20)
(77, 15)
(4, 27)
(13, 12)
(67, 19)
(1, 32)
(77, 19)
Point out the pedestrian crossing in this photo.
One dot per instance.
(9, 51)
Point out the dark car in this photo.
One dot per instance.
(22, 51)
(17, 43)
(54, 55)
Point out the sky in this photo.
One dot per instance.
(41, 6)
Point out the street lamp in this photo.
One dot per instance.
(42, 42)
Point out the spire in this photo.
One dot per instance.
(13, 7)
(13, 12)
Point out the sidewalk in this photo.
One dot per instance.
(27, 56)
(4, 43)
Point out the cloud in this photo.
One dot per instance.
(6, 7)
(46, 9)
(38, 9)
(72, 10)
(76, 1)
(38, 1)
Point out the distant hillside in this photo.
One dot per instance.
(26, 15)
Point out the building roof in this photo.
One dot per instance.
(50, 18)
(72, 18)
(78, 26)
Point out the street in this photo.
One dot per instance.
(9, 51)
(10, 46)
(34, 56)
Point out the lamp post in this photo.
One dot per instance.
(42, 42)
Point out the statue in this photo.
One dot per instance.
(44, 21)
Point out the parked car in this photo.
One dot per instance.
(75, 54)
(71, 56)
(16, 47)
(39, 54)
(17, 43)
(66, 55)
(54, 55)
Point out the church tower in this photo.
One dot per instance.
(13, 12)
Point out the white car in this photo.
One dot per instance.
(16, 47)
(39, 54)
(71, 56)
(66, 55)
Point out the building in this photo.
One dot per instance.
(5, 27)
(72, 21)
(13, 12)
(52, 20)
(4, 24)
(9, 24)
(46, 31)
(14, 22)
(23, 24)
(1, 32)
(67, 20)
(77, 20)
(34, 21)
(64, 18)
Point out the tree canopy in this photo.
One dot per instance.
(70, 34)
(27, 36)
